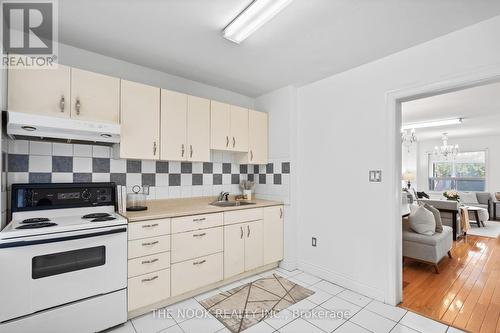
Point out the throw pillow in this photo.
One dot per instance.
(468, 198)
(437, 217)
(422, 221)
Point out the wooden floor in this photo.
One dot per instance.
(466, 293)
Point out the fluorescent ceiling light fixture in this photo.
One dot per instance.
(437, 123)
(252, 18)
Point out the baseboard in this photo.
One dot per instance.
(289, 265)
(342, 280)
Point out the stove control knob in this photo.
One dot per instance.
(86, 194)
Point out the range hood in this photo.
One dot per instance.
(32, 126)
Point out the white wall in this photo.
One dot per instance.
(72, 56)
(344, 131)
(281, 107)
(489, 143)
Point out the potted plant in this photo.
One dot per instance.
(451, 195)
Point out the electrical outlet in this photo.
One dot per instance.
(375, 176)
(314, 241)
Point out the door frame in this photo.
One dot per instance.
(394, 99)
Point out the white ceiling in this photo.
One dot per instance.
(479, 106)
(309, 40)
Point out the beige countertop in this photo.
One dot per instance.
(166, 208)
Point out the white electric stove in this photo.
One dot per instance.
(63, 259)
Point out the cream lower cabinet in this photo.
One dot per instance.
(273, 234)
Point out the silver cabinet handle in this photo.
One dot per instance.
(182, 150)
(149, 261)
(150, 243)
(251, 155)
(199, 262)
(190, 150)
(248, 231)
(234, 142)
(154, 148)
(199, 235)
(150, 225)
(150, 279)
(227, 141)
(78, 105)
(241, 235)
(62, 103)
(281, 212)
(199, 219)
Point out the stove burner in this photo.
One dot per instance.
(104, 218)
(36, 220)
(37, 225)
(95, 215)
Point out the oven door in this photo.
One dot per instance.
(45, 271)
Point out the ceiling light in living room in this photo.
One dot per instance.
(437, 123)
(252, 18)
(446, 150)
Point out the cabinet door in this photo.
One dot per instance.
(40, 91)
(253, 245)
(273, 234)
(173, 129)
(140, 121)
(239, 129)
(220, 126)
(257, 137)
(234, 250)
(198, 129)
(95, 97)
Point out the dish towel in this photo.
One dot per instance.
(464, 219)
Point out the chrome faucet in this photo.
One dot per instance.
(223, 196)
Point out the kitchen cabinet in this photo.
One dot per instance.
(41, 91)
(198, 129)
(229, 127)
(140, 121)
(257, 137)
(243, 247)
(95, 97)
(220, 122)
(239, 129)
(185, 127)
(173, 125)
(196, 273)
(273, 234)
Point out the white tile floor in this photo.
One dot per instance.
(316, 314)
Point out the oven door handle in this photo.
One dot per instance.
(62, 238)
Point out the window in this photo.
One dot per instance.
(466, 172)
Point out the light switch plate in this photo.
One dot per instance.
(375, 176)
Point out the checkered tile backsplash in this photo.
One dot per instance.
(33, 161)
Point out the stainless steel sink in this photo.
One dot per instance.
(231, 203)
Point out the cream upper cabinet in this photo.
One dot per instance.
(174, 108)
(140, 121)
(254, 249)
(198, 129)
(234, 250)
(95, 97)
(273, 234)
(257, 137)
(220, 126)
(40, 91)
(239, 129)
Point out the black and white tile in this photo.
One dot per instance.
(33, 161)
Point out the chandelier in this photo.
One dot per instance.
(446, 150)
(408, 138)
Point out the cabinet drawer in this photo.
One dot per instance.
(150, 228)
(244, 215)
(194, 244)
(196, 273)
(148, 288)
(196, 222)
(148, 264)
(147, 246)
